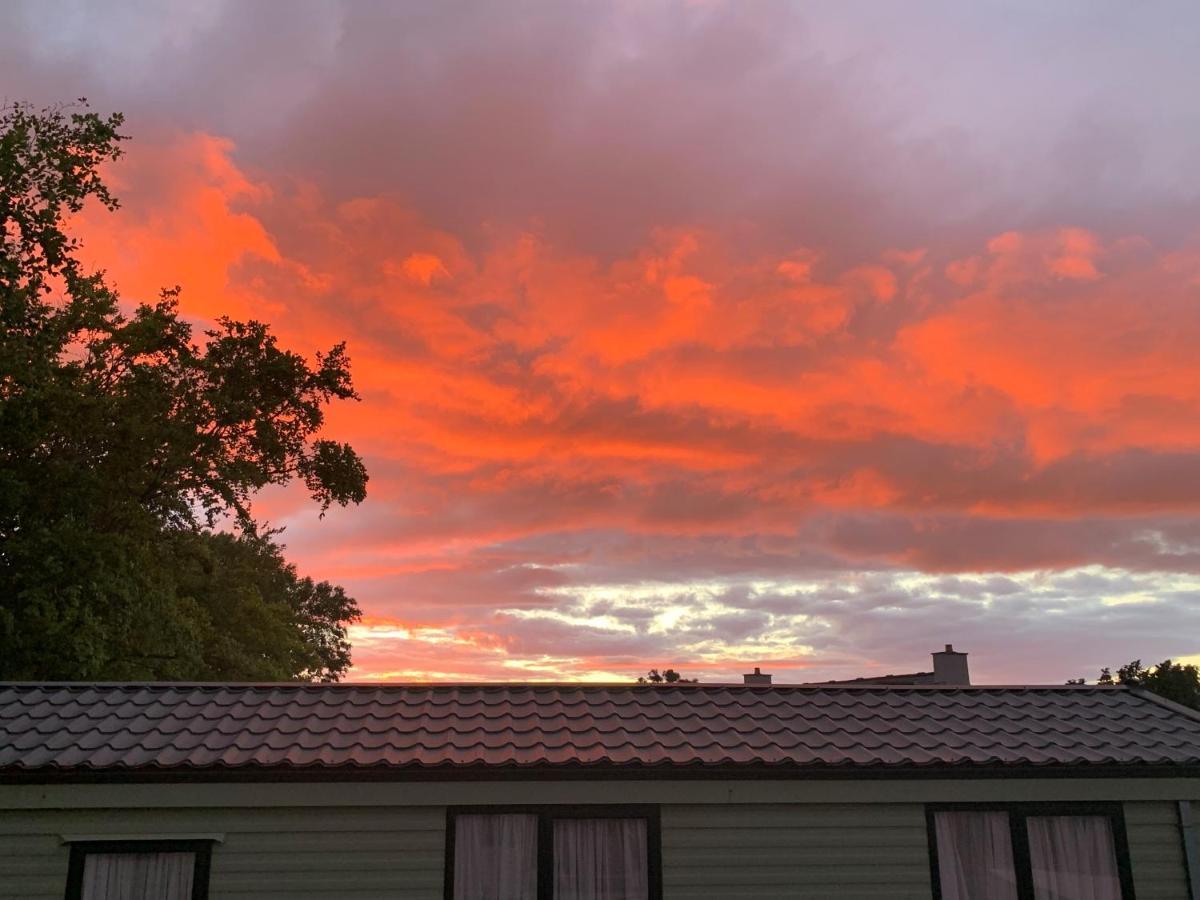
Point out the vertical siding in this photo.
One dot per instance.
(280, 854)
(795, 851)
(1156, 851)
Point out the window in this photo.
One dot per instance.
(553, 853)
(139, 870)
(974, 852)
(1029, 852)
(496, 856)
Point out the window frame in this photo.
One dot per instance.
(200, 872)
(1018, 814)
(546, 816)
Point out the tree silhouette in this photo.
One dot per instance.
(667, 676)
(1174, 681)
(128, 444)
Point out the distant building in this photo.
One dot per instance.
(949, 667)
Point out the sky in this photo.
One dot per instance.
(697, 334)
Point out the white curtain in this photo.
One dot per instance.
(600, 859)
(495, 857)
(974, 853)
(138, 876)
(1073, 858)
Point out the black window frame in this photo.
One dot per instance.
(200, 873)
(1018, 814)
(546, 816)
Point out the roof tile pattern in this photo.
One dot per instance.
(134, 727)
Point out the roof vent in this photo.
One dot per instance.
(950, 667)
(757, 678)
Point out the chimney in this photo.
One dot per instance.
(756, 678)
(950, 667)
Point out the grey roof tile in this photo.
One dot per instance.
(77, 728)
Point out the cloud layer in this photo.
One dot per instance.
(701, 334)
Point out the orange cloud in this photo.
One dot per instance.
(696, 389)
(1076, 255)
(422, 267)
(512, 358)
(182, 223)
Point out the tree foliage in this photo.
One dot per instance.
(258, 619)
(666, 676)
(125, 437)
(1172, 680)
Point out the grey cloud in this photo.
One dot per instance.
(841, 126)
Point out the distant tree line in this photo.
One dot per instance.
(666, 676)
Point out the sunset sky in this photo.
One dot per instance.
(811, 336)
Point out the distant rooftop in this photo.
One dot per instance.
(949, 668)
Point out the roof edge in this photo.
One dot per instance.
(548, 685)
(1162, 701)
(576, 772)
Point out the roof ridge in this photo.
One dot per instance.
(556, 685)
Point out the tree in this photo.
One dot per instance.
(125, 441)
(1174, 681)
(667, 676)
(259, 620)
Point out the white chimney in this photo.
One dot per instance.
(756, 678)
(950, 667)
